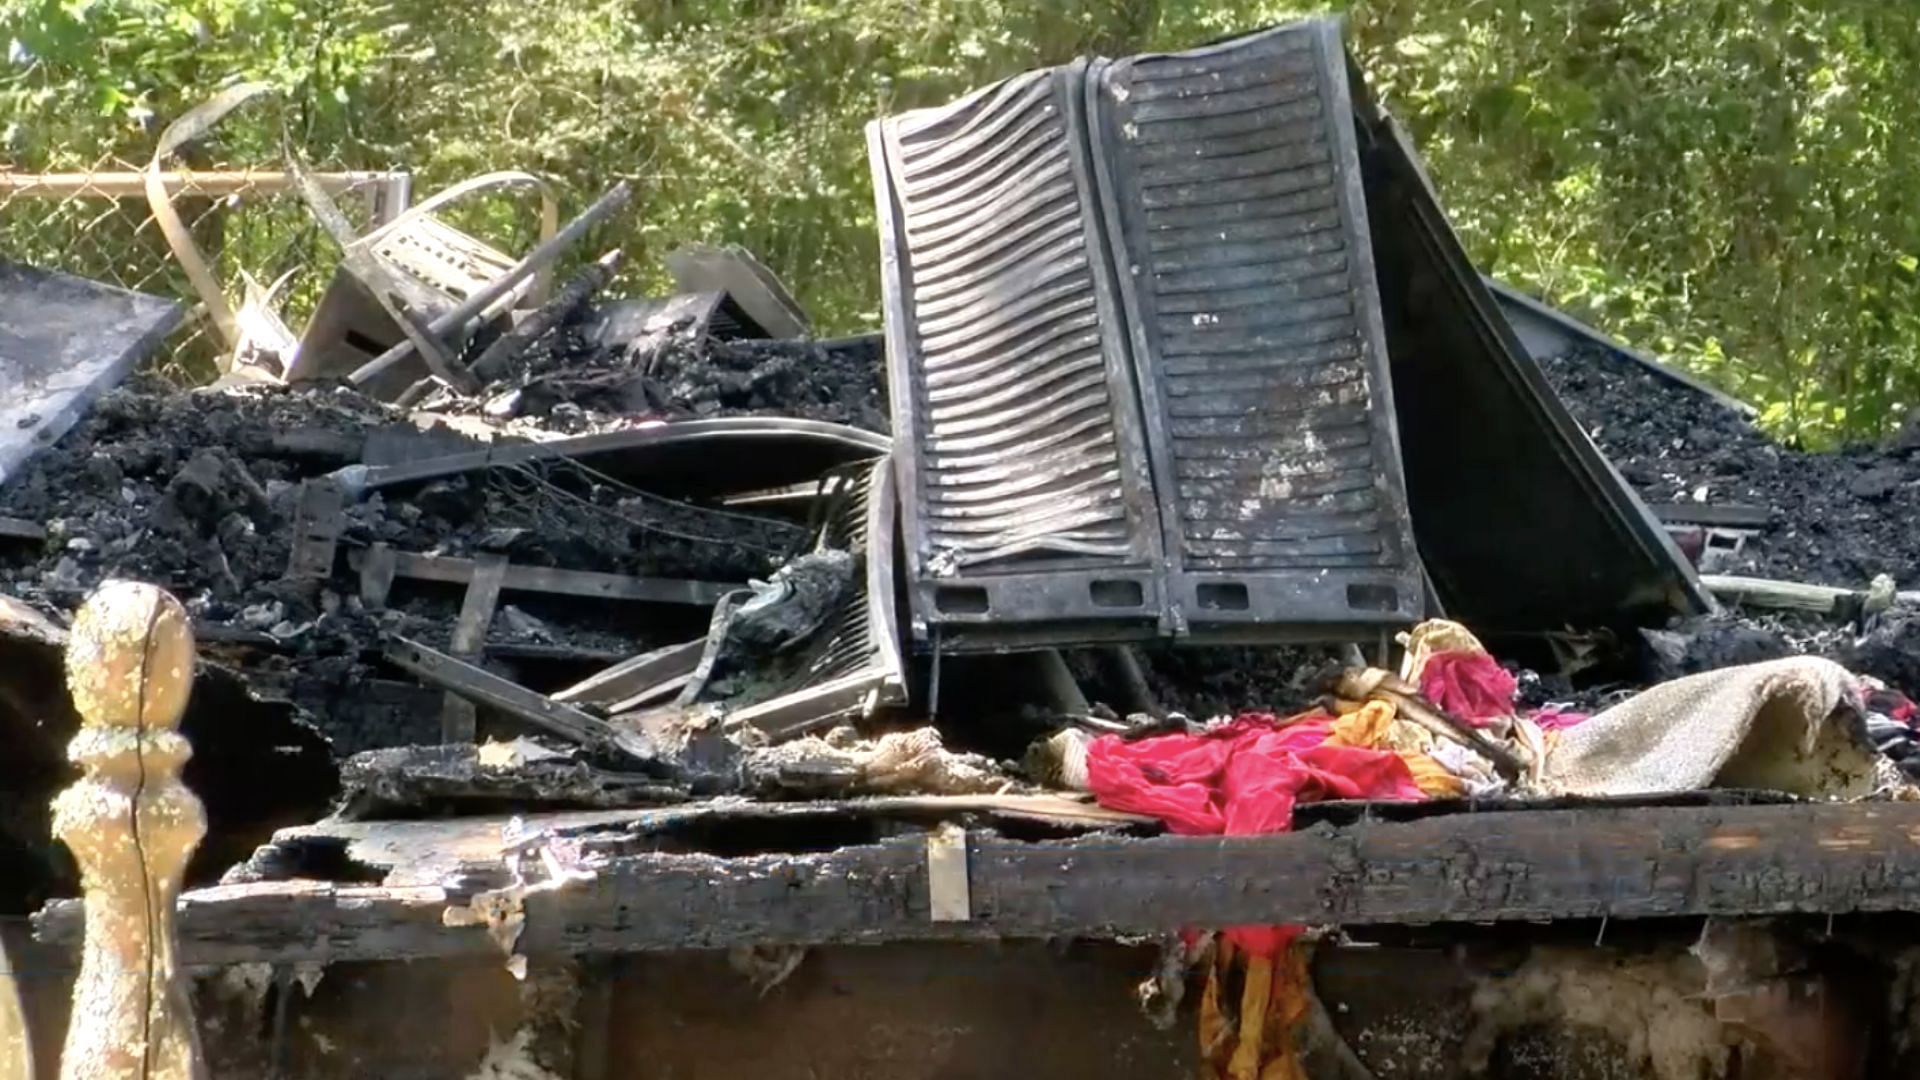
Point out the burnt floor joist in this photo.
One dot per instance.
(1619, 863)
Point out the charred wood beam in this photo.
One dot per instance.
(1588, 863)
(12, 528)
(458, 723)
(512, 344)
(318, 520)
(635, 675)
(1726, 516)
(1786, 595)
(546, 579)
(483, 687)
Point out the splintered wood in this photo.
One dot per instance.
(131, 825)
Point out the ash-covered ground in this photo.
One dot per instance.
(1838, 518)
(572, 381)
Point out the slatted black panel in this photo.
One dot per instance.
(1023, 474)
(1235, 201)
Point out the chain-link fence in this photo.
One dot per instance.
(248, 224)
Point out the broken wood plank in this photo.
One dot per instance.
(1726, 515)
(377, 569)
(1786, 595)
(483, 687)
(509, 346)
(652, 695)
(13, 528)
(318, 519)
(802, 711)
(436, 851)
(588, 583)
(1604, 863)
(635, 675)
(458, 724)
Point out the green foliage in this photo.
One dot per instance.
(1726, 182)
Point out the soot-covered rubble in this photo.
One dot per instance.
(1838, 518)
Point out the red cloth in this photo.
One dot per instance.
(1241, 778)
(1893, 705)
(1470, 685)
(1551, 719)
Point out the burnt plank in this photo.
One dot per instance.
(1724, 515)
(458, 571)
(483, 687)
(318, 520)
(458, 723)
(1581, 863)
(635, 675)
(377, 569)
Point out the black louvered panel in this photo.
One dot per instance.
(1257, 334)
(1023, 474)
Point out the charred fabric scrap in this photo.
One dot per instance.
(1134, 563)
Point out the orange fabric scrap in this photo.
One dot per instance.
(1260, 1042)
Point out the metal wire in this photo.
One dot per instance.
(531, 486)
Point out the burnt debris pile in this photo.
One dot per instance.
(1839, 519)
(1195, 475)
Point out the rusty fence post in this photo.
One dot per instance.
(131, 825)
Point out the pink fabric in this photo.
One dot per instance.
(1470, 685)
(1551, 719)
(1243, 778)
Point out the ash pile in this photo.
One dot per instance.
(650, 507)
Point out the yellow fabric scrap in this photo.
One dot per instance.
(1376, 726)
(1435, 636)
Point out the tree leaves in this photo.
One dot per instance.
(1725, 181)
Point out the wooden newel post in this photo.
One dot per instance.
(131, 824)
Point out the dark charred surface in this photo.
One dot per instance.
(1839, 518)
(840, 381)
(197, 492)
(194, 490)
(572, 383)
(1205, 683)
(406, 782)
(1888, 650)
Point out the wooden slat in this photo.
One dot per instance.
(458, 722)
(483, 687)
(318, 520)
(1726, 515)
(13, 528)
(635, 675)
(1585, 863)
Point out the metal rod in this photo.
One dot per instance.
(132, 185)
